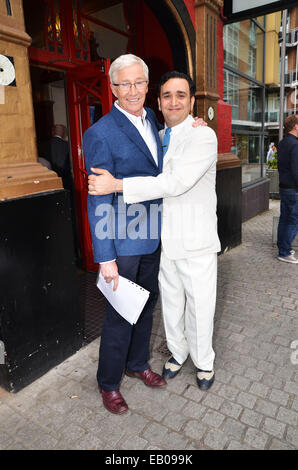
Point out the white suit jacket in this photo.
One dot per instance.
(187, 184)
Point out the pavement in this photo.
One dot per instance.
(253, 403)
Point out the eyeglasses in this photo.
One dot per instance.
(127, 86)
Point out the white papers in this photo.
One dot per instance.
(128, 300)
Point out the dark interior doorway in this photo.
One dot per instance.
(50, 110)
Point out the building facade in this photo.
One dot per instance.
(291, 77)
(60, 57)
(251, 86)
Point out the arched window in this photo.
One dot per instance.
(53, 27)
(46, 26)
(59, 32)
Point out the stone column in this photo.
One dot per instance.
(20, 172)
(207, 12)
(210, 104)
(218, 115)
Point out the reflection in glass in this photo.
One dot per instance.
(81, 32)
(44, 27)
(245, 98)
(50, 24)
(260, 20)
(248, 150)
(231, 44)
(243, 52)
(109, 28)
(58, 22)
(75, 24)
(243, 48)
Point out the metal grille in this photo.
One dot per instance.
(92, 305)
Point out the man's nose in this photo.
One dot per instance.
(133, 89)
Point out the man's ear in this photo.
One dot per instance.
(158, 101)
(114, 90)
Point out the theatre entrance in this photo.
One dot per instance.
(73, 44)
(72, 99)
(89, 98)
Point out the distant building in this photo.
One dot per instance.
(273, 71)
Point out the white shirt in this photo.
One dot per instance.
(145, 129)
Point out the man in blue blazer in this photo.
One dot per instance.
(126, 237)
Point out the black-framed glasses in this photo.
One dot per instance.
(141, 85)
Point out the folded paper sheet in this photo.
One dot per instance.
(128, 300)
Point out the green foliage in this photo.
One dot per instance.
(272, 164)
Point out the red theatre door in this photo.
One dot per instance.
(89, 98)
(69, 38)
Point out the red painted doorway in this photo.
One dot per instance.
(89, 98)
(76, 39)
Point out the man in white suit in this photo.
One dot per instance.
(188, 267)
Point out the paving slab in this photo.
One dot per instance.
(253, 403)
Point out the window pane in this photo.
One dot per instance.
(104, 41)
(260, 19)
(243, 48)
(44, 26)
(246, 100)
(248, 149)
(35, 23)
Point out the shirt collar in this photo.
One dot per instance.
(180, 126)
(292, 135)
(134, 119)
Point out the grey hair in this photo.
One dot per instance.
(126, 60)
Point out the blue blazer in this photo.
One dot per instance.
(120, 229)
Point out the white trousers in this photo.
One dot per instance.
(188, 298)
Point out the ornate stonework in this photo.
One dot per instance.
(21, 179)
(19, 170)
(207, 15)
(213, 4)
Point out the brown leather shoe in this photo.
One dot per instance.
(114, 401)
(149, 378)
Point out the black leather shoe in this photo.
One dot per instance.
(171, 368)
(205, 379)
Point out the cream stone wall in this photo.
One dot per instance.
(17, 135)
(17, 11)
(20, 173)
